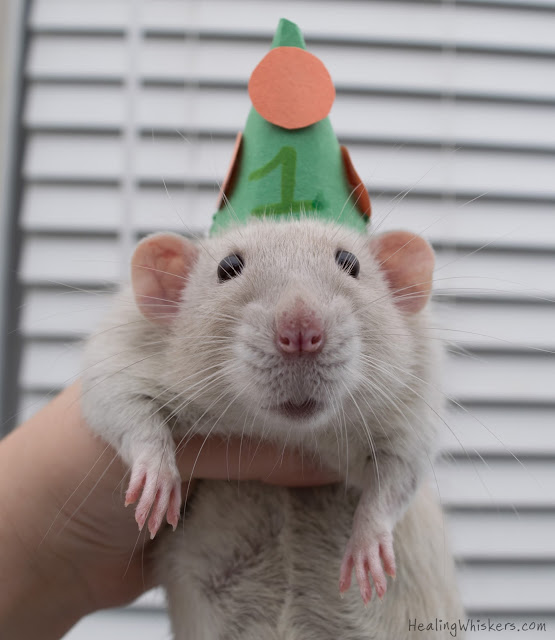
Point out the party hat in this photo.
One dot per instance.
(288, 163)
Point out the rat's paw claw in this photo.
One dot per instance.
(160, 485)
(140, 520)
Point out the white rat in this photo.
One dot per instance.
(313, 336)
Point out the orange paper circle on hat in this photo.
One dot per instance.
(291, 88)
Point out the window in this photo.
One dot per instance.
(129, 114)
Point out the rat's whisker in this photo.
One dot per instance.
(214, 426)
(390, 399)
(376, 364)
(455, 402)
(368, 434)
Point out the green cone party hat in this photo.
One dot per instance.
(287, 163)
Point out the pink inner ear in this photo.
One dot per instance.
(159, 270)
(407, 261)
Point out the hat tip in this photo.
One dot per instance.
(288, 34)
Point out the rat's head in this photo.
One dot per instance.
(287, 323)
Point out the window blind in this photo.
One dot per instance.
(448, 109)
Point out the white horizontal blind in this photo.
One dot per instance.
(448, 109)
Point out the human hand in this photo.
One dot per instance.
(66, 535)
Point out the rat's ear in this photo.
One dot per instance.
(159, 270)
(407, 261)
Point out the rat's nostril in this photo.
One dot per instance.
(312, 343)
(289, 341)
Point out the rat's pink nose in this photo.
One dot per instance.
(299, 331)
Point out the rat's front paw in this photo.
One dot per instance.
(369, 553)
(157, 480)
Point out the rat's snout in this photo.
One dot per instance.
(299, 327)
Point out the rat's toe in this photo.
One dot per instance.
(136, 484)
(346, 572)
(361, 570)
(388, 557)
(157, 513)
(145, 503)
(174, 507)
(378, 576)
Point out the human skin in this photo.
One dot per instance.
(68, 546)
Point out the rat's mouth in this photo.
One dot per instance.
(298, 410)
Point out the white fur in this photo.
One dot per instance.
(260, 561)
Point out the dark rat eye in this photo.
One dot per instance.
(348, 262)
(230, 267)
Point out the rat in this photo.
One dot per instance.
(310, 335)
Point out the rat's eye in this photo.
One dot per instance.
(348, 262)
(230, 267)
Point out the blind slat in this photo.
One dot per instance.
(397, 22)
(81, 156)
(73, 313)
(490, 326)
(499, 223)
(499, 431)
(151, 625)
(527, 378)
(521, 276)
(496, 378)
(378, 117)
(70, 260)
(385, 68)
(472, 325)
(508, 589)
(496, 483)
(502, 536)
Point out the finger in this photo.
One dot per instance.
(223, 459)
